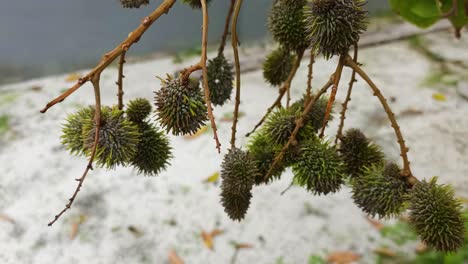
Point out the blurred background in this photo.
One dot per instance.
(44, 37)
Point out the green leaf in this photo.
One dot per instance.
(459, 19)
(455, 258)
(422, 13)
(314, 259)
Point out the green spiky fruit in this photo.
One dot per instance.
(334, 25)
(319, 168)
(286, 24)
(73, 128)
(358, 152)
(381, 190)
(436, 215)
(180, 108)
(264, 153)
(280, 125)
(316, 115)
(235, 204)
(277, 66)
(118, 138)
(138, 110)
(238, 171)
(133, 3)
(153, 151)
(195, 4)
(220, 77)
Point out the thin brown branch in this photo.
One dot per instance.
(97, 120)
(119, 82)
(282, 91)
(299, 125)
(344, 107)
(205, 74)
(310, 75)
(235, 42)
(226, 28)
(288, 96)
(391, 116)
(331, 100)
(185, 74)
(109, 57)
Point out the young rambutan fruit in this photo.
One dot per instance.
(277, 66)
(318, 168)
(133, 3)
(436, 215)
(334, 25)
(195, 4)
(138, 110)
(220, 77)
(238, 171)
(286, 24)
(235, 204)
(358, 152)
(118, 138)
(380, 190)
(281, 123)
(72, 130)
(153, 150)
(264, 153)
(316, 115)
(180, 108)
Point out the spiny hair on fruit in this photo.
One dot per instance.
(72, 130)
(277, 66)
(334, 25)
(358, 152)
(281, 123)
(264, 153)
(180, 106)
(318, 168)
(286, 24)
(138, 110)
(436, 215)
(238, 171)
(195, 4)
(381, 190)
(235, 204)
(153, 151)
(220, 80)
(118, 138)
(133, 3)
(316, 116)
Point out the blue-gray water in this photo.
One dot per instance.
(41, 37)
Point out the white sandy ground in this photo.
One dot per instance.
(171, 210)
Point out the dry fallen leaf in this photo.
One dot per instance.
(439, 97)
(76, 226)
(73, 77)
(378, 225)
(4, 217)
(243, 246)
(343, 257)
(207, 240)
(385, 252)
(216, 232)
(135, 231)
(174, 258)
(36, 88)
(421, 248)
(213, 178)
(411, 112)
(200, 132)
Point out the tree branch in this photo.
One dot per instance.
(109, 57)
(119, 82)
(226, 28)
(339, 70)
(235, 42)
(282, 91)
(348, 98)
(309, 75)
(205, 74)
(97, 120)
(406, 172)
